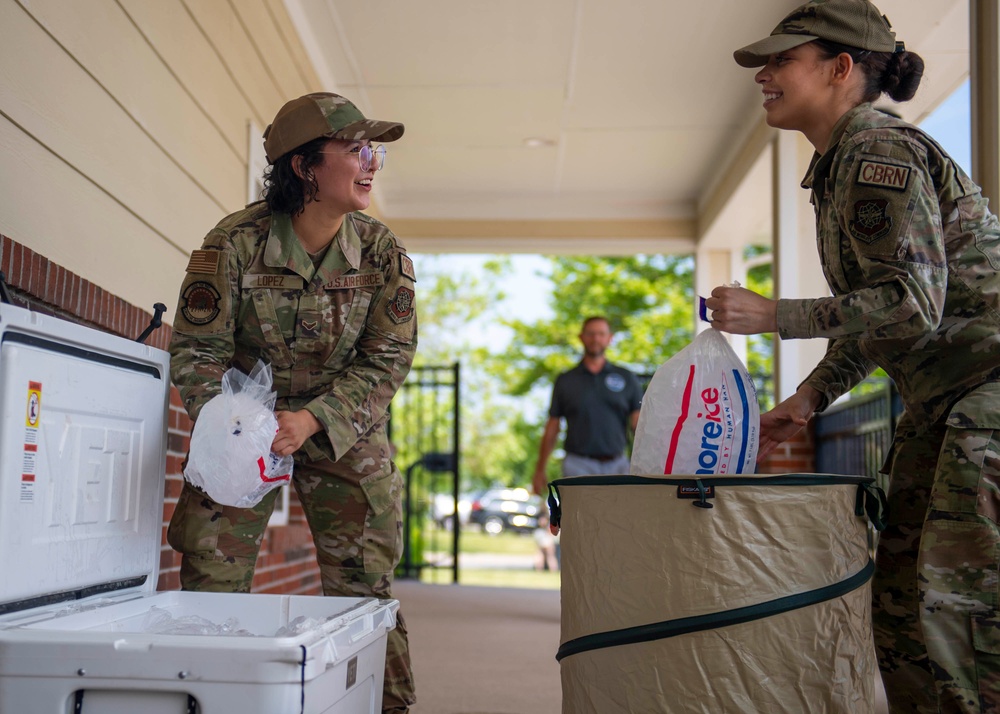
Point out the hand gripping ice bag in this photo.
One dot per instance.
(231, 458)
(699, 414)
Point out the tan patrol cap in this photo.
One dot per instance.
(322, 114)
(855, 23)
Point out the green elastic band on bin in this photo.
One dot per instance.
(699, 623)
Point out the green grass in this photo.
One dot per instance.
(472, 541)
(540, 580)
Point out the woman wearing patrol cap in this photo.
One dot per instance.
(323, 294)
(911, 253)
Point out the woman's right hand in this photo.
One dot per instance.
(787, 419)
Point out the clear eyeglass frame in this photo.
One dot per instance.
(369, 158)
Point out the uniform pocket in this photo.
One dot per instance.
(968, 470)
(195, 524)
(383, 534)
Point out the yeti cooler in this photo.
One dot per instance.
(719, 594)
(82, 629)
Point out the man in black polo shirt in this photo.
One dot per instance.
(599, 402)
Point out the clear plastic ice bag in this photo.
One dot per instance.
(230, 457)
(699, 414)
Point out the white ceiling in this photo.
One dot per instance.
(638, 104)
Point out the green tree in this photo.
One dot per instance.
(649, 301)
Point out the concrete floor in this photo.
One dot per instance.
(481, 650)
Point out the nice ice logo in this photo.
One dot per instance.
(716, 431)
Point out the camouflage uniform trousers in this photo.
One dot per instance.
(935, 593)
(358, 537)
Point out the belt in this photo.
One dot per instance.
(610, 457)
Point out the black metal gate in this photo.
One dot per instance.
(855, 437)
(425, 429)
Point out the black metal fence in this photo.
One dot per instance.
(425, 428)
(854, 437)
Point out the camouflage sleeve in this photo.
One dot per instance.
(884, 235)
(359, 398)
(202, 343)
(842, 368)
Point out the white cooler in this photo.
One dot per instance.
(82, 454)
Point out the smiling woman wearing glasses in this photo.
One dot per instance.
(325, 295)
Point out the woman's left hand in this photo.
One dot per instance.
(742, 312)
(293, 430)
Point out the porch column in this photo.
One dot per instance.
(797, 271)
(984, 65)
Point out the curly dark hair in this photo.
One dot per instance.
(284, 191)
(896, 74)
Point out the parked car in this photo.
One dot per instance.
(443, 508)
(500, 509)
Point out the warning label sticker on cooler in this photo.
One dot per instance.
(32, 420)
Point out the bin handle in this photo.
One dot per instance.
(871, 501)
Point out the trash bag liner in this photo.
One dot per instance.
(718, 594)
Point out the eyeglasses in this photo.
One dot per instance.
(369, 159)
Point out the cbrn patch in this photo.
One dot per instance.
(878, 173)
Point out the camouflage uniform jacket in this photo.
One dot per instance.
(911, 254)
(340, 337)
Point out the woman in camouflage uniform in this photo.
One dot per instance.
(910, 252)
(324, 294)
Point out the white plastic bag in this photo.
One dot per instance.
(230, 457)
(699, 414)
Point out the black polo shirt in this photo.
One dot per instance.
(596, 408)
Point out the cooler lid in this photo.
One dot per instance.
(83, 418)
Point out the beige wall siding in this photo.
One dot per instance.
(124, 128)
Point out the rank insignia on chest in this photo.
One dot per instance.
(400, 309)
(870, 220)
(200, 303)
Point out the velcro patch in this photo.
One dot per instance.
(406, 267)
(876, 173)
(200, 303)
(400, 309)
(368, 279)
(205, 262)
(870, 220)
(290, 282)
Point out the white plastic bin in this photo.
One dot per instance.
(82, 454)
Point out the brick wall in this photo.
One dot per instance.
(797, 455)
(287, 562)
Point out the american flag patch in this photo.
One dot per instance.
(204, 261)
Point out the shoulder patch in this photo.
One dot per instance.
(871, 220)
(200, 303)
(406, 267)
(205, 262)
(400, 308)
(879, 173)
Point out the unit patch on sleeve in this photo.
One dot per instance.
(400, 309)
(870, 220)
(205, 262)
(406, 267)
(200, 303)
(876, 173)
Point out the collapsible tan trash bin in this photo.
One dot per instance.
(720, 595)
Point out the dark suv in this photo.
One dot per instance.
(500, 509)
